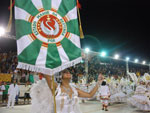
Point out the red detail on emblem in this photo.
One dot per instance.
(31, 19)
(45, 44)
(67, 35)
(65, 19)
(49, 26)
(58, 44)
(41, 10)
(33, 36)
(53, 9)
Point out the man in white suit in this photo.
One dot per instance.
(12, 92)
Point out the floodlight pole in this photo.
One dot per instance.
(127, 67)
(86, 67)
(149, 68)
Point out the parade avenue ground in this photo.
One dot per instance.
(87, 107)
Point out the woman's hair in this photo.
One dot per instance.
(63, 72)
(60, 75)
(103, 83)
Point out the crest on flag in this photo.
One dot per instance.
(47, 33)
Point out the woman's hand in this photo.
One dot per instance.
(50, 82)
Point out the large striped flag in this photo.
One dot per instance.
(47, 35)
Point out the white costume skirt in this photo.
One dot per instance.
(140, 101)
(118, 97)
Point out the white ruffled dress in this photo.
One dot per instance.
(117, 95)
(42, 100)
(141, 99)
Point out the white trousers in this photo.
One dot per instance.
(11, 101)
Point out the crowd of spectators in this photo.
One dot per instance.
(8, 62)
(108, 67)
(111, 67)
(96, 64)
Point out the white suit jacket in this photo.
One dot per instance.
(13, 90)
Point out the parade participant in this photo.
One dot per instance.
(5, 93)
(141, 98)
(17, 97)
(27, 92)
(118, 95)
(66, 95)
(148, 86)
(128, 90)
(104, 95)
(12, 92)
(2, 88)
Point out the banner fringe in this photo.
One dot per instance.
(48, 71)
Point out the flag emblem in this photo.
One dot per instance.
(49, 27)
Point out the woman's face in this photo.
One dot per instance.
(67, 75)
(143, 83)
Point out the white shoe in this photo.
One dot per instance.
(7, 107)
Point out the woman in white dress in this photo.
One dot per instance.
(148, 86)
(141, 98)
(66, 95)
(118, 95)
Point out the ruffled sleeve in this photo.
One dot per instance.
(42, 99)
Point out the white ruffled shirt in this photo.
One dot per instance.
(104, 91)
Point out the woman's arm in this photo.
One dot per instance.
(50, 82)
(88, 95)
(91, 94)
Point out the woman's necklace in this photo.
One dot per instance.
(68, 90)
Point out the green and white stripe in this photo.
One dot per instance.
(23, 15)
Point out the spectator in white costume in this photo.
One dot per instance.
(2, 88)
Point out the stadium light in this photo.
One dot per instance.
(127, 58)
(144, 62)
(103, 54)
(116, 56)
(87, 50)
(136, 60)
(2, 31)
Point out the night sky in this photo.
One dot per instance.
(117, 26)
